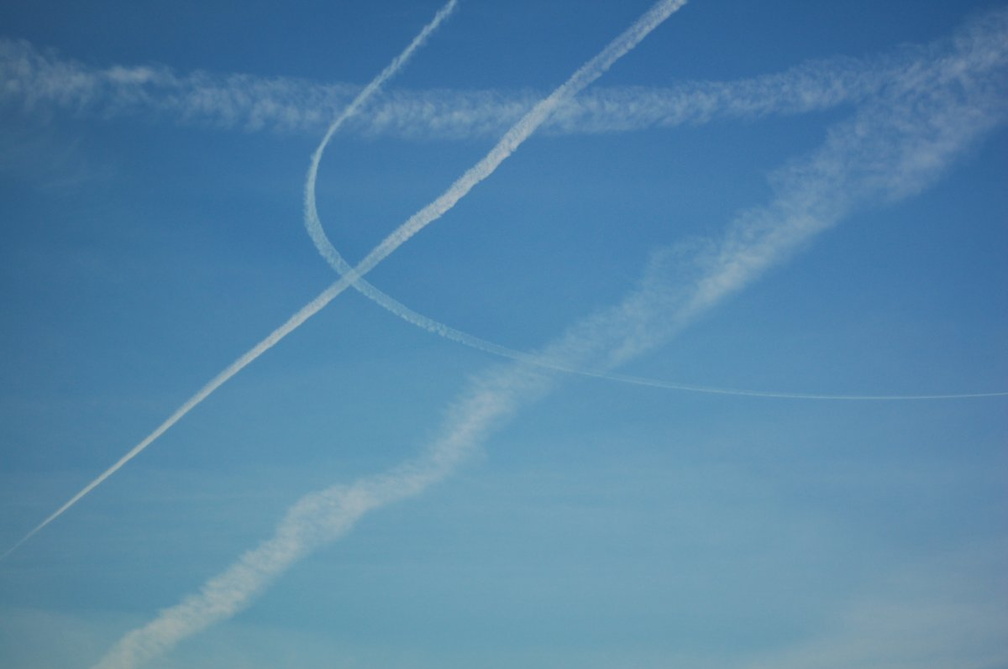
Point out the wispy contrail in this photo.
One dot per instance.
(510, 142)
(891, 149)
(41, 84)
(928, 62)
(324, 516)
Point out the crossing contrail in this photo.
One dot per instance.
(890, 150)
(323, 516)
(507, 145)
(294, 322)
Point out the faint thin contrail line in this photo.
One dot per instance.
(507, 145)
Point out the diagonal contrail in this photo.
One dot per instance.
(293, 323)
(507, 145)
(323, 516)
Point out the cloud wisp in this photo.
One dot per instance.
(916, 76)
(891, 149)
(41, 84)
(507, 145)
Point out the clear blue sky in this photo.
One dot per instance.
(839, 166)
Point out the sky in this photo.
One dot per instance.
(703, 366)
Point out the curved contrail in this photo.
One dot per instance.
(506, 146)
(325, 247)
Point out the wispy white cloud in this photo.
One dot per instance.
(41, 83)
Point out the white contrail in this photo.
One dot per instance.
(518, 133)
(41, 84)
(484, 168)
(890, 150)
(336, 260)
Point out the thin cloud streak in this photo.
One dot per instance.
(508, 144)
(41, 84)
(892, 149)
(910, 77)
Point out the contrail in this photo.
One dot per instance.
(40, 83)
(510, 142)
(891, 149)
(293, 323)
(325, 247)
(269, 342)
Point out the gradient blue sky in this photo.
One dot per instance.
(148, 244)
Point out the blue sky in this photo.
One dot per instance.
(791, 198)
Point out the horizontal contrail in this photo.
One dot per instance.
(890, 150)
(40, 84)
(511, 140)
(336, 260)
